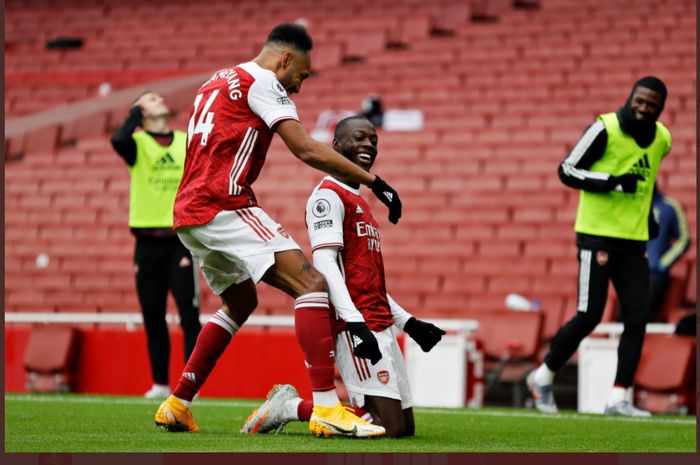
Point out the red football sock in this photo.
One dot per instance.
(304, 410)
(313, 330)
(211, 342)
(359, 411)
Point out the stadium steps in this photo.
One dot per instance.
(485, 213)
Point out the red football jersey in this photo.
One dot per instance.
(337, 215)
(230, 129)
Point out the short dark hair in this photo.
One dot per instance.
(340, 127)
(290, 34)
(142, 94)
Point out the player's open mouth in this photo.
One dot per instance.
(364, 157)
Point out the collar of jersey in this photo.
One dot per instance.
(343, 185)
(254, 65)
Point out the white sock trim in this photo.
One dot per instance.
(220, 318)
(325, 398)
(312, 299)
(188, 403)
(291, 409)
(544, 376)
(617, 394)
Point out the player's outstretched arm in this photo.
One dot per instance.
(324, 158)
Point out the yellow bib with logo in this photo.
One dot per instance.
(155, 177)
(617, 214)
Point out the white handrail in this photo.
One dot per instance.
(132, 319)
(615, 329)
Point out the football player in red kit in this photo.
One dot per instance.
(216, 215)
(346, 248)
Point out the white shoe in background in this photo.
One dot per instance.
(157, 391)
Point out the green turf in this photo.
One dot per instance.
(80, 423)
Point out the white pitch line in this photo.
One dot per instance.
(432, 411)
(135, 400)
(558, 416)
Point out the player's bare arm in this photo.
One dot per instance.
(328, 160)
(319, 156)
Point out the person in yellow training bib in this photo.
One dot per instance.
(614, 165)
(155, 157)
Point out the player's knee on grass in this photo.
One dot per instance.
(387, 413)
(409, 423)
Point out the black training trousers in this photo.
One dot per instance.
(162, 264)
(629, 272)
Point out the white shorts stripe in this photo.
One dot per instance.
(355, 361)
(255, 220)
(584, 278)
(365, 367)
(264, 235)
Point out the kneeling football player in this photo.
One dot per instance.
(346, 247)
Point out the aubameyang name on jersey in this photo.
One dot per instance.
(232, 79)
(372, 233)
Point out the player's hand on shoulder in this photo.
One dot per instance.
(364, 344)
(388, 196)
(427, 335)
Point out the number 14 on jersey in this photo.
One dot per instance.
(204, 122)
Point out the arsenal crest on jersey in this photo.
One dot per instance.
(383, 377)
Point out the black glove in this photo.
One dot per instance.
(425, 334)
(388, 196)
(364, 344)
(628, 182)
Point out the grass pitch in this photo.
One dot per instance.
(82, 423)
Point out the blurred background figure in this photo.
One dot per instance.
(667, 248)
(155, 157)
(373, 110)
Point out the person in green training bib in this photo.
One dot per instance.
(614, 165)
(155, 158)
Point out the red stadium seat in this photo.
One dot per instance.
(49, 358)
(511, 341)
(664, 382)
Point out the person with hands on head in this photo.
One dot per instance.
(614, 165)
(155, 157)
(346, 245)
(216, 215)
